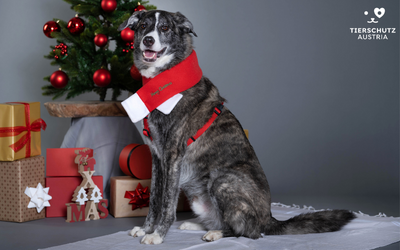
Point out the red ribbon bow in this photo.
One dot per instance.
(26, 139)
(139, 197)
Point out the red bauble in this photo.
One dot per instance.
(59, 79)
(102, 77)
(135, 73)
(108, 5)
(139, 8)
(76, 26)
(50, 27)
(127, 35)
(100, 40)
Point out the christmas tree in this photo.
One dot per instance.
(86, 60)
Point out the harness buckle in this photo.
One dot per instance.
(192, 138)
(146, 133)
(218, 109)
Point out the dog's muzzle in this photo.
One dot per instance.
(151, 55)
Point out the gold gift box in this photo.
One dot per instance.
(12, 117)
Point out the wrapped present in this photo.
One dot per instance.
(20, 126)
(61, 161)
(121, 206)
(62, 190)
(18, 181)
(130, 197)
(135, 161)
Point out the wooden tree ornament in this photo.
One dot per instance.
(94, 195)
(80, 197)
(81, 211)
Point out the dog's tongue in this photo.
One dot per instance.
(150, 54)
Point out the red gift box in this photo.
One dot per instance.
(135, 161)
(61, 161)
(61, 191)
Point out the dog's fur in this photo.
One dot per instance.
(219, 172)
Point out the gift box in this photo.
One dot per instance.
(62, 189)
(119, 205)
(20, 126)
(61, 161)
(135, 161)
(129, 197)
(15, 176)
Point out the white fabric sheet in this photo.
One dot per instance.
(365, 232)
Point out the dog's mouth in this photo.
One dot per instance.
(151, 55)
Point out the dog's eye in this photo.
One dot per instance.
(143, 26)
(165, 27)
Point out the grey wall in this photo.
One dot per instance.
(321, 106)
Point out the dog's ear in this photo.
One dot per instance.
(132, 20)
(183, 23)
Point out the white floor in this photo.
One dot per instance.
(55, 231)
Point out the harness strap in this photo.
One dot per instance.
(146, 129)
(217, 111)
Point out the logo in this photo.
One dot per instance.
(372, 32)
(379, 12)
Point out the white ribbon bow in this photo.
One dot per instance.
(39, 197)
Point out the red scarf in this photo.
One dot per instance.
(164, 87)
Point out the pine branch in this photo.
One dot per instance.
(50, 90)
(84, 8)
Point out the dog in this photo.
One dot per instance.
(219, 172)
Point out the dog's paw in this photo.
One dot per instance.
(137, 231)
(190, 226)
(212, 235)
(152, 239)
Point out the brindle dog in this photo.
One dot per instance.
(219, 172)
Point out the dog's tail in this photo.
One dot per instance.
(317, 222)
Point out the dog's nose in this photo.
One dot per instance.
(148, 41)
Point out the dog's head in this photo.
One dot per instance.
(162, 40)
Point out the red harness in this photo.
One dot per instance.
(217, 112)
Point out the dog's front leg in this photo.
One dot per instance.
(170, 194)
(155, 197)
(156, 191)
